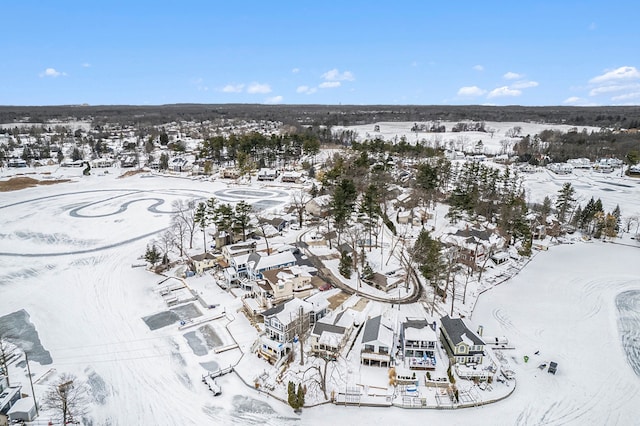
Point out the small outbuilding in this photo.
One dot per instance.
(553, 367)
(23, 410)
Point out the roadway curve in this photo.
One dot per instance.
(328, 276)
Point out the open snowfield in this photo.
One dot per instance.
(66, 256)
(494, 140)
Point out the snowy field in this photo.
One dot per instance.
(66, 256)
(498, 135)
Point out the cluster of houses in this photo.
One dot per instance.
(13, 407)
(603, 165)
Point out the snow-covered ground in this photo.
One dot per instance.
(66, 256)
(498, 135)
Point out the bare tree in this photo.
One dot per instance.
(186, 212)
(179, 230)
(166, 241)
(6, 352)
(67, 397)
(299, 201)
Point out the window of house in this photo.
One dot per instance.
(383, 350)
(369, 348)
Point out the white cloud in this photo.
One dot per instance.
(573, 100)
(274, 100)
(329, 84)
(471, 91)
(258, 88)
(524, 84)
(52, 72)
(86, 65)
(503, 92)
(335, 75)
(613, 88)
(233, 88)
(478, 67)
(306, 90)
(622, 73)
(592, 26)
(512, 76)
(577, 101)
(295, 70)
(626, 97)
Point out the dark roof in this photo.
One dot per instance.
(272, 311)
(321, 327)
(455, 328)
(481, 234)
(415, 323)
(371, 329)
(200, 257)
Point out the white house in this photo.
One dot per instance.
(462, 344)
(377, 342)
(419, 339)
(319, 206)
(203, 262)
(257, 263)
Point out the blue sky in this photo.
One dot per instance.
(300, 52)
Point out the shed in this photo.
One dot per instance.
(23, 410)
(553, 367)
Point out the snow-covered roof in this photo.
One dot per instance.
(258, 263)
(419, 330)
(377, 329)
(458, 332)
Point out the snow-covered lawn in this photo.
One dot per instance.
(72, 273)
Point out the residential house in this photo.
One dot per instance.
(265, 174)
(330, 333)
(461, 344)
(8, 394)
(377, 342)
(286, 283)
(319, 206)
(203, 262)
(290, 176)
(472, 246)
(277, 222)
(232, 250)
(418, 339)
(230, 173)
(283, 324)
(257, 263)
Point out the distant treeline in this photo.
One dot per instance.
(329, 115)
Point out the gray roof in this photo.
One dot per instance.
(455, 328)
(481, 234)
(416, 323)
(371, 328)
(274, 310)
(321, 327)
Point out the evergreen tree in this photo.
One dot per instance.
(164, 161)
(345, 264)
(243, 216)
(152, 255)
(565, 201)
(370, 206)
(342, 203)
(427, 252)
(202, 220)
(300, 396)
(616, 214)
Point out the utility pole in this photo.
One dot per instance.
(35, 401)
(300, 328)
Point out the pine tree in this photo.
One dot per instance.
(152, 255)
(345, 265)
(565, 201)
